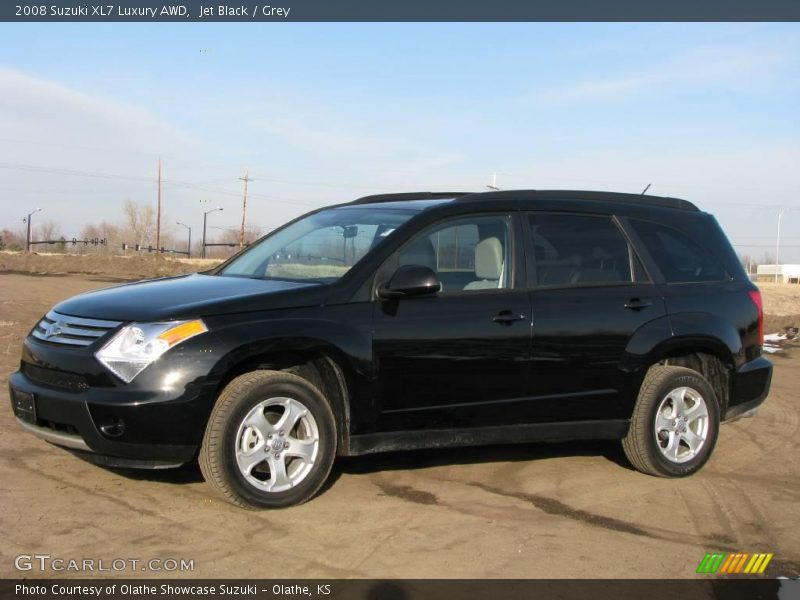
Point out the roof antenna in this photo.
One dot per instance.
(644, 191)
(493, 185)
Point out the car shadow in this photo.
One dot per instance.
(186, 473)
(436, 457)
(410, 460)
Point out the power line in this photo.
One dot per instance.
(59, 171)
(344, 185)
(114, 176)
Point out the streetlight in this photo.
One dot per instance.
(28, 236)
(205, 215)
(778, 245)
(189, 246)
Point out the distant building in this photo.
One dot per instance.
(786, 273)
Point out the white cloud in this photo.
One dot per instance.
(740, 65)
(49, 133)
(45, 112)
(58, 129)
(335, 140)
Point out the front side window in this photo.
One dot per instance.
(580, 250)
(680, 259)
(319, 248)
(467, 254)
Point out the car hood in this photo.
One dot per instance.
(193, 295)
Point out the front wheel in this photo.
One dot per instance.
(675, 423)
(270, 441)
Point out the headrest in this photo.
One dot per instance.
(489, 259)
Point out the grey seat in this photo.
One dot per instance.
(488, 265)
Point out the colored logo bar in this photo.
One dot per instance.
(736, 563)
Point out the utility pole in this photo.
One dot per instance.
(246, 179)
(158, 211)
(28, 235)
(778, 245)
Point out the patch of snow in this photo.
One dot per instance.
(775, 337)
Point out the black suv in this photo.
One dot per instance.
(411, 321)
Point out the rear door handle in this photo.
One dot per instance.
(506, 317)
(638, 303)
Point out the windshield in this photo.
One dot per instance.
(319, 248)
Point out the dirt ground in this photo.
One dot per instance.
(102, 266)
(781, 306)
(547, 510)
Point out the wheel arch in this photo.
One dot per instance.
(662, 336)
(699, 341)
(322, 365)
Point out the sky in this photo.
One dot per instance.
(325, 113)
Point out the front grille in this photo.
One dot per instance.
(54, 378)
(74, 331)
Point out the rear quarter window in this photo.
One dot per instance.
(680, 258)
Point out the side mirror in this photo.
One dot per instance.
(409, 281)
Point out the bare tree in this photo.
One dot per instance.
(13, 240)
(47, 230)
(139, 222)
(111, 233)
(231, 236)
(90, 231)
(750, 263)
(100, 231)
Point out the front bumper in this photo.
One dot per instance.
(116, 435)
(59, 438)
(156, 421)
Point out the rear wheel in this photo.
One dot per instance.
(270, 441)
(675, 423)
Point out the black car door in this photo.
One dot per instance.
(591, 295)
(458, 358)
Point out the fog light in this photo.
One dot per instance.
(114, 428)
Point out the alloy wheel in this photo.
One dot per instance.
(277, 444)
(681, 425)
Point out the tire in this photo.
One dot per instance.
(262, 420)
(669, 436)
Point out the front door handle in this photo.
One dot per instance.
(506, 317)
(638, 303)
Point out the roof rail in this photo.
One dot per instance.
(405, 196)
(644, 200)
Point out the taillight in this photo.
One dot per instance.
(755, 296)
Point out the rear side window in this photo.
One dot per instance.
(680, 259)
(581, 250)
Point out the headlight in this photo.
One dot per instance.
(137, 345)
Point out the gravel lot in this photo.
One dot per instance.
(560, 510)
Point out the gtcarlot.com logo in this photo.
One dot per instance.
(734, 564)
(46, 562)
